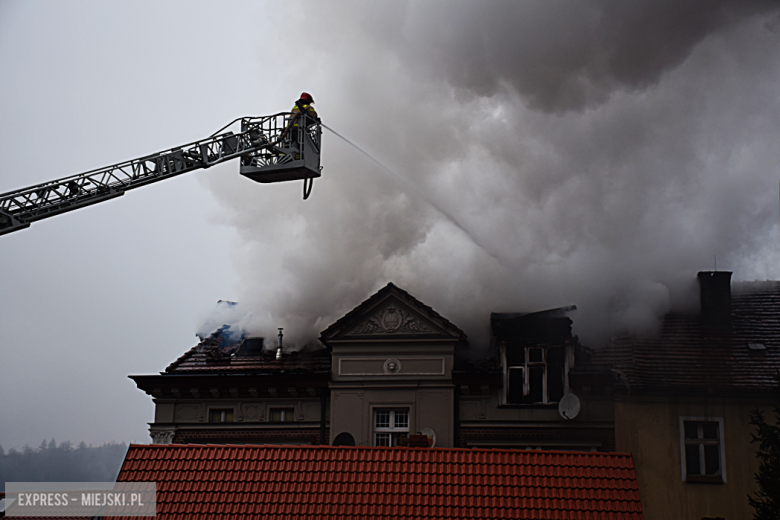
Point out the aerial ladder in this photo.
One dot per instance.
(278, 148)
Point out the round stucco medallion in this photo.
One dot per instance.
(392, 366)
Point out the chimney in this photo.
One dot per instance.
(715, 298)
(279, 348)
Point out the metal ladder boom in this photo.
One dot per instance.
(21, 207)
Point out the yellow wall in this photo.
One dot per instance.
(650, 431)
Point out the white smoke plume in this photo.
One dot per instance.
(600, 153)
(236, 316)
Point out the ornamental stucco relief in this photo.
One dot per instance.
(189, 413)
(392, 320)
(251, 412)
(162, 435)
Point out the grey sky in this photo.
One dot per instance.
(600, 152)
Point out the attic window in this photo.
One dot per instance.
(220, 415)
(756, 346)
(701, 446)
(282, 415)
(251, 347)
(533, 375)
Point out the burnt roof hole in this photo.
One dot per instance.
(251, 347)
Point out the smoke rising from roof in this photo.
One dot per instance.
(558, 55)
(603, 152)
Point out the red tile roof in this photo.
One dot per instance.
(687, 355)
(196, 482)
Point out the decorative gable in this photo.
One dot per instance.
(391, 312)
(394, 318)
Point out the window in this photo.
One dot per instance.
(281, 415)
(389, 426)
(221, 415)
(533, 374)
(701, 447)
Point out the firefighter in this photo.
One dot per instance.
(302, 106)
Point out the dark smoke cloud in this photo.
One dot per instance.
(599, 152)
(562, 55)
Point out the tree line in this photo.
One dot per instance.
(63, 462)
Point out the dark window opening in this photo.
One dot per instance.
(515, 356)
(534, 375)
(282, 415)
(220, 415)
(516, 383)
(702, 451)
(535, 385)
(555, 383)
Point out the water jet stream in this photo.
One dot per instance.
(412, 190)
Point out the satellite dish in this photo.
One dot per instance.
(569, 406)
(430, 434)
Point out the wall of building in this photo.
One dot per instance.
(576, 437)
(649, 429)
(484, 422)
(292, 435)
(392, 361)
(188, 420)
(413, 375)
(430, 406)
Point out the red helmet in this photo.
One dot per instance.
(307, 97)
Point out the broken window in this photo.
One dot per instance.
(702, 450)
(390, 426)
(534, 374)
(221, 415)
(281, 415)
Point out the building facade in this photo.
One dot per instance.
(393, 372)
(390, 369)
(683, 399)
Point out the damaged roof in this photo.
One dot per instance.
(551, 324)
(222, 352)
(689, 355)
(326, 482)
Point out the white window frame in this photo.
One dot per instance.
(392, 430)
(721, 445)
(527, 374)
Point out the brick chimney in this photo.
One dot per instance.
(715, 298)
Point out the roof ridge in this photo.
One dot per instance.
(399, 449)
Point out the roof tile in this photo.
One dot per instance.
(329, 482)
